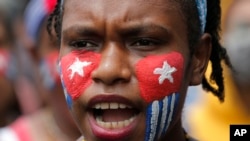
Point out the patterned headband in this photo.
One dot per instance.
(202, 11)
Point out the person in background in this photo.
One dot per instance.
(53, 121)
(22, 74)
(209, 119)
(9, 104)
(125, 65)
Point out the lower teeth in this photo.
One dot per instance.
(113, 125)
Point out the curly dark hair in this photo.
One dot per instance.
(190, 12)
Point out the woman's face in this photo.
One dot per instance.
(6, 94)
(122, 67)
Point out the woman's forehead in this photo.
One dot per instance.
(118, 6)
(88, 3)
(122, 11)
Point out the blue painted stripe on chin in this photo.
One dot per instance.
(148, 122)
(159, 116)
(160, 103)
(68, 98)
(171, 111)
(168, 113)
(177, 96)
(164, 116)
(69, 101)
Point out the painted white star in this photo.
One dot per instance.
(77, 67)
(165, 72)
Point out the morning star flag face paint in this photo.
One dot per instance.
(159, 76)
(159, 80)
(76, 68)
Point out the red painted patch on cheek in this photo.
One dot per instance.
(159, 76)
(76, 69)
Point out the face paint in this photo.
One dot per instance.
(68, 98)
(159, 79)
(159, 116)
(159, 76)
(76, 69)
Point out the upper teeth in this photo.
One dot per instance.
(112, 105)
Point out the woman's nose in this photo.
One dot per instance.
(114, 66)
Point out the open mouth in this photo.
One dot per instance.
(114, 115)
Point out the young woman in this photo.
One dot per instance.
(125, 65)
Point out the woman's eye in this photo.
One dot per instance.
(82, 44)
(145, 42)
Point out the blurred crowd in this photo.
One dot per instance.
(32, 104)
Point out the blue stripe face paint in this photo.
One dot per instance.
(159, 116)
(68, 98)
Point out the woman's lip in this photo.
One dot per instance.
(108, 98)
(112, 134)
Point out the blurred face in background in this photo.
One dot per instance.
(237, 40)
(6, 95)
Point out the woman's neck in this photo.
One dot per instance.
(176, 133)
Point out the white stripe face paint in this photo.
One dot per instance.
(171, 111)
(159, 116)
(154, 119)
(164, 115)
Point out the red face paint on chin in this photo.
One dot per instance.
(76, 69)
(159, 76)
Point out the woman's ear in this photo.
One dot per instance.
(200, 59)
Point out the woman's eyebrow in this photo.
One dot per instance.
(134, 30)
(143, 28)
(80, 31)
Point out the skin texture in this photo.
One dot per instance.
(124, 33)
